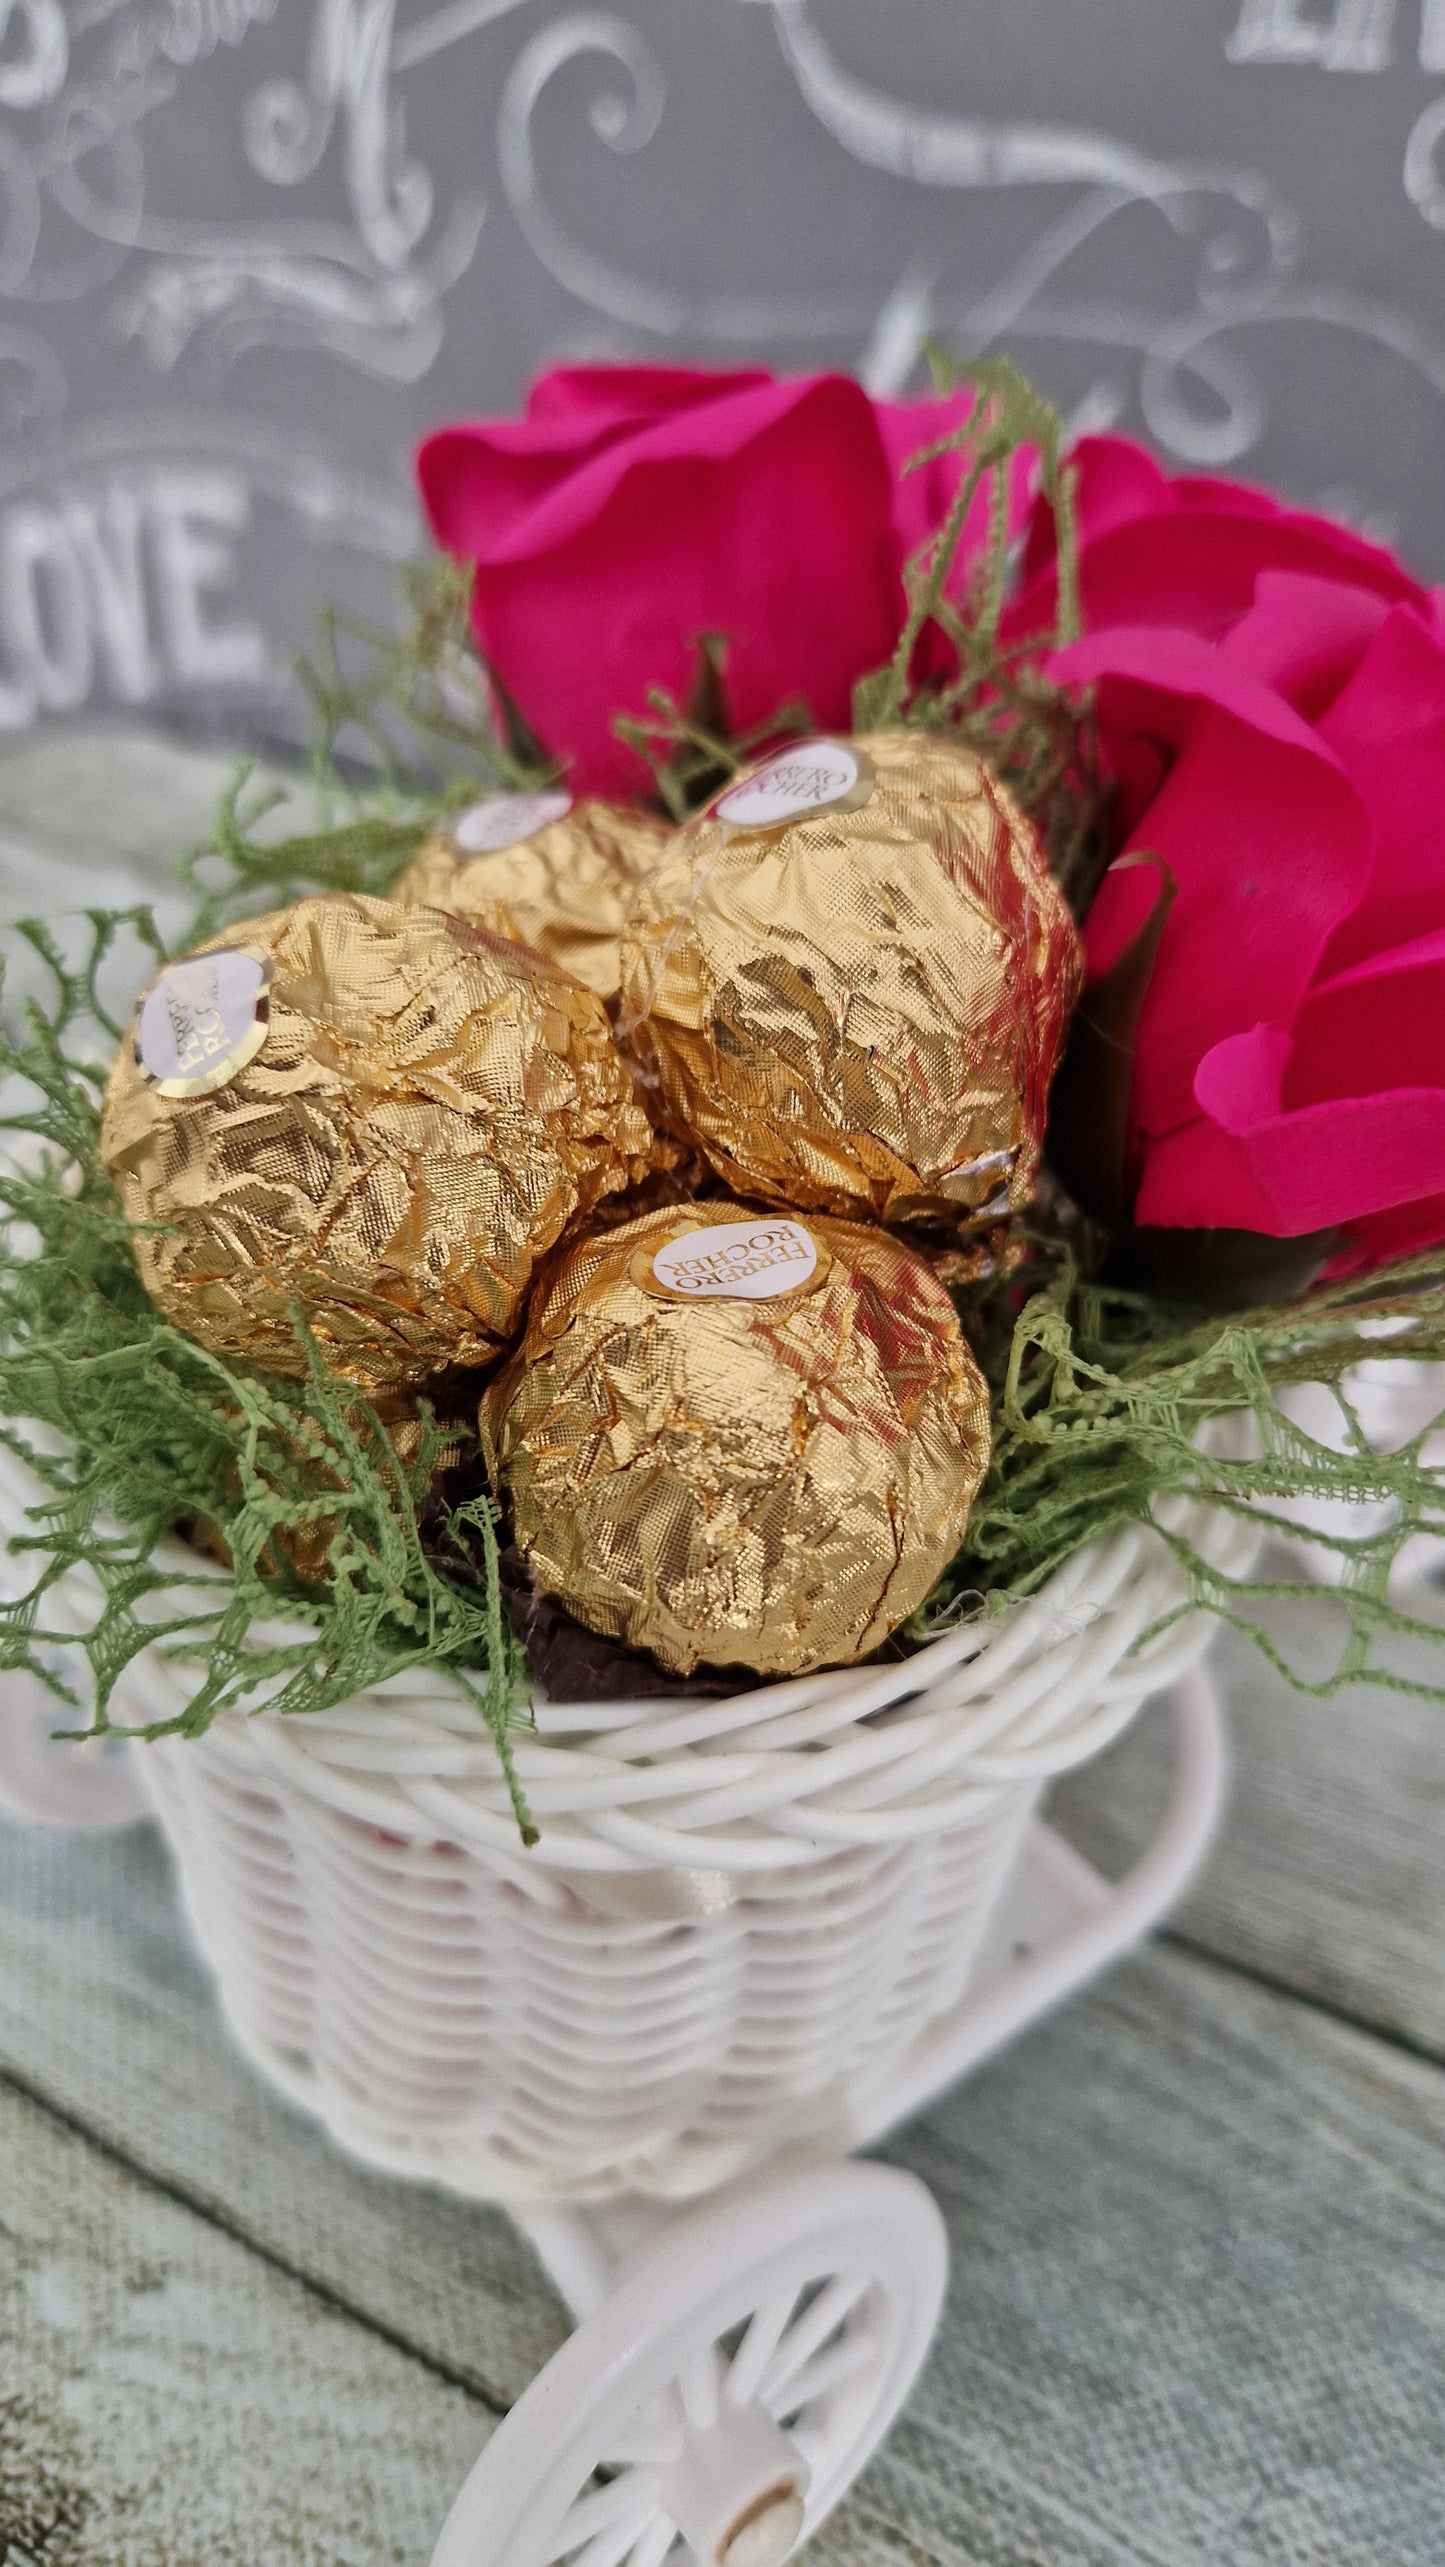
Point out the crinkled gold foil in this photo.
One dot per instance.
(974, 1258)
(568, 889)
(860, 1012)
(773, 1484)
(431, 1109)
(675, 1173)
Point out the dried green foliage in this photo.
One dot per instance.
(416, 705)
(1101, 1404)
(692, 750)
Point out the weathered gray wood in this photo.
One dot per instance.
(1198, 2310)
(106, 2014)
(168, 2400)
(1198, 2234)
(1329, 1873)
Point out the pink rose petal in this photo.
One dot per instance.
(1387, 727)
(1117, 483)
(1339, 1120)
(614, 394)
(765, 514)
(1321, 1167)
(1265, 835)
(1305, 636)
(1189, 552)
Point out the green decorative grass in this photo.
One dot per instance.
(1101, 1399)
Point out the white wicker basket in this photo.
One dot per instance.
(740, 1918)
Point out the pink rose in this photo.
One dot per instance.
(634, 508)
(1271, 699)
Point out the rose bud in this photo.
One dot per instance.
(1269, 691)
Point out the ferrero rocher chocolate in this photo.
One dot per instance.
(380, 1114)
(852, 983)
(738, 1437)
(561, 875)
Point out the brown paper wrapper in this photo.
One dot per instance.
(429, 1111)
(860, 1011)
(568, 888)
(769, 1483)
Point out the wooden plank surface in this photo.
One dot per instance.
(107, 2016)
(1329, 1874)
(1198, 2220)
(1198, 2233)
(1198, 2307)
(168, 2400)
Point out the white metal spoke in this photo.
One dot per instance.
(624, 2499)
(697, 2386)
(655, 2544)
(827, 2370)
(613, 2547)
(765, 2332)
(649, 2440)
(812, 2330)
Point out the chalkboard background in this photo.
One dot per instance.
(250, 248)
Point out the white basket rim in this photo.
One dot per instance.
(758, 1781)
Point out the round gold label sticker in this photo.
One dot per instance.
(505, 819)
(734, 1261)
(808, 777)
(202, 1020)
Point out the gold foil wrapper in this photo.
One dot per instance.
(764, 1483)
(975, 1258)
(860, 1011)
(430, 1110)
(568, 889)
(675, 1173)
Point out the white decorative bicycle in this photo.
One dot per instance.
(756, 1936)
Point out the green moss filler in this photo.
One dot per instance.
(1100, 1399)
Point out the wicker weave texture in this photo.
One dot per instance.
(738, 1915)
(445, 2023)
